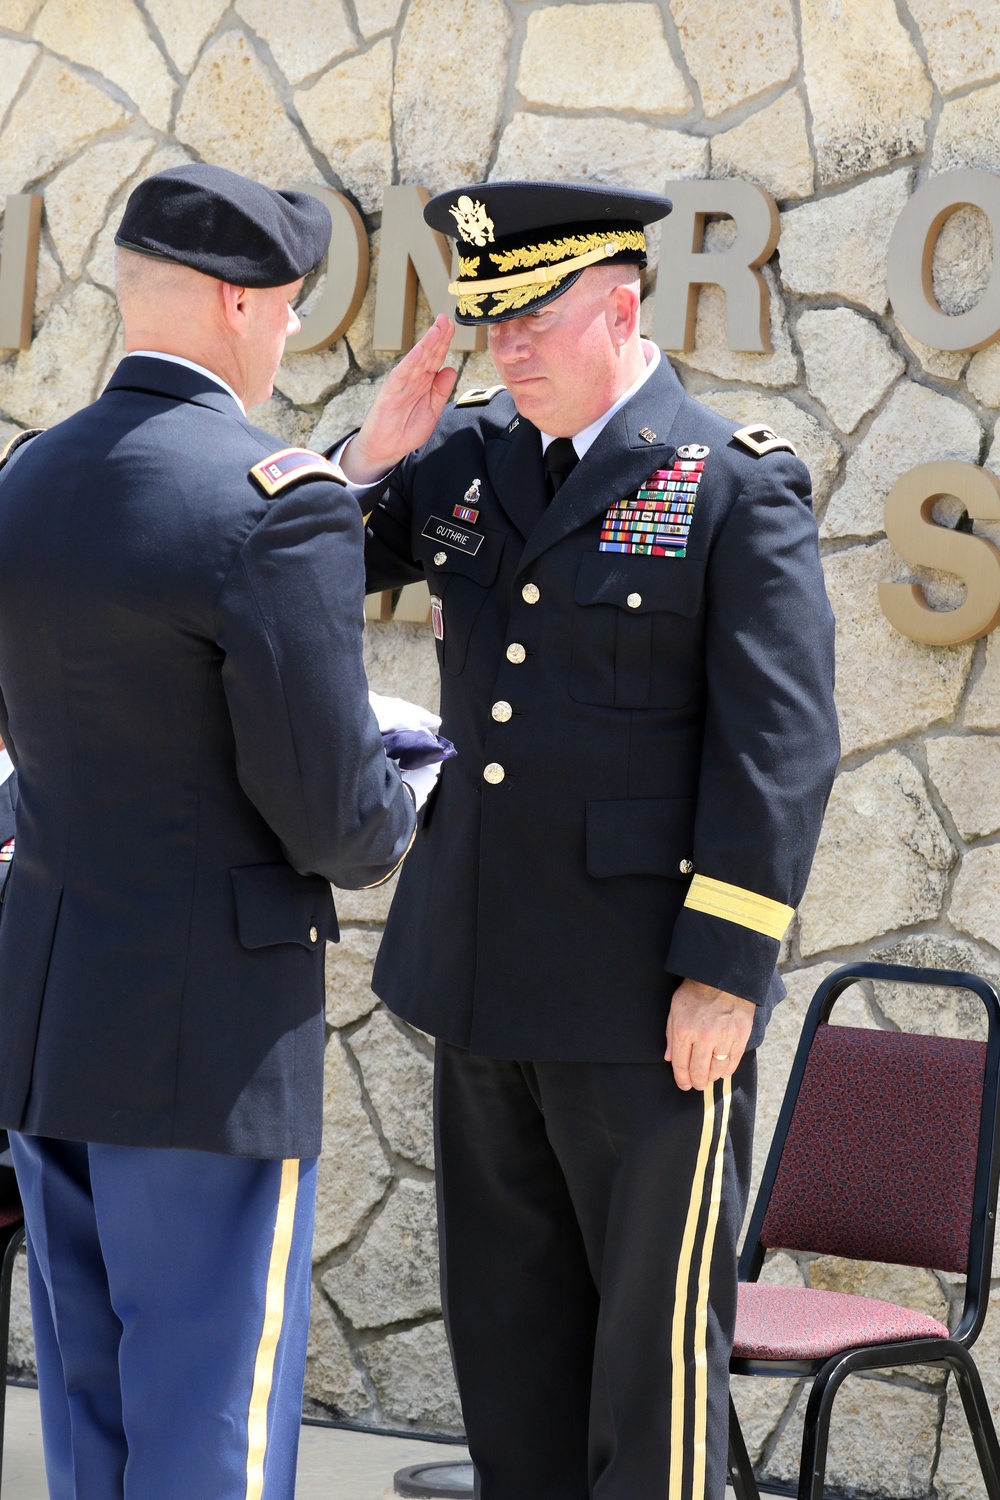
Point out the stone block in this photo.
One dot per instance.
(377, 15)
(58, 374)
(232, 114)
(353, 1171)
(962, 260)
(850, 364)
(622, 152)
(958, 1475)
(966, 771)
(113, 39)
(760, 1405)
(15, 60)
(349, 972)
(736, 53)
(285, 422)
(401, 662)
(771, 148)
(450, 78)
(968, 132)
(882, 861)
(962, 38)
(916, 422)
(15, 14)
(101, 264)
(935, 1010)
(343, 413)
(413, 1377)
(77, 199)
(983, 708)
(943, 364)
(331, 1377)
(927, 681)
(392, 1277)
(975, 898)
(347, 114)
(21, 1341)
(601, 56)
(185, 26)
(983, 376)
(366, 906)
(399, 1078)
(712, 353)
(58, 113)
(883, 1439)
(307, 379)
(48, 283)
(869, 94)
(838, 247)
(906, 1286)
(304, 35)
(819, 451)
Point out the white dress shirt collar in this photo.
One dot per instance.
(583, 440)
(6, 766)
(177, 359)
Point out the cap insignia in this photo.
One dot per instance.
(474, 223)
(761, 440)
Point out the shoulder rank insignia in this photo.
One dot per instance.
(288, 466)
(761, 440)
(18, 441)
(479, 395)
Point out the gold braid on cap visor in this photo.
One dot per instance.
(522, 287)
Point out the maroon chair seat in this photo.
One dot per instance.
(798, 1322)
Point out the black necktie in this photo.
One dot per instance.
(560, 461)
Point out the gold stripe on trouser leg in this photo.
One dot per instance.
(681, 1296)
(701, 1310)
(274, 1312)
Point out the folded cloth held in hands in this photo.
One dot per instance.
(413, 748)
(409, 734)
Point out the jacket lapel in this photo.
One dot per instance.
(617, 463)
(515, 469)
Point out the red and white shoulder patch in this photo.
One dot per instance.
(289, 465)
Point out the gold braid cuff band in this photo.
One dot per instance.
(733, 904)
(543, 276)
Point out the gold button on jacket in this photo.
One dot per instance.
(516, 653)
(440, 558)
(633, 601)
(494, 773)
(314, 935)
(531, 593)
(501, 711)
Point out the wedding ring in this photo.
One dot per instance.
(721, 1056)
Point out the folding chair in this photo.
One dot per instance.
(11, 1240)
(885, 1150)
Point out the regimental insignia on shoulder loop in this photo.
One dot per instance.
(18, 441)
(290, 465)
(480, 395)
(761, 440)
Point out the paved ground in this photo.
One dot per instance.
(333, 1465)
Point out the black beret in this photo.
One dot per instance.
(538, 238)
(226, 226)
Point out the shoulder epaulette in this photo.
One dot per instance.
(18, 441)
(289, 465)
(761, 440)
(479, 395)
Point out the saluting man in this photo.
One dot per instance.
(182, 692)
(636, 658)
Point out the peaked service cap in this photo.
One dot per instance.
(522, 244)
(225, 225)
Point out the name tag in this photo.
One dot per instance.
(450, 535)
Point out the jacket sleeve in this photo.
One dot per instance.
(771, 742)
(290, 620)
(389, 559)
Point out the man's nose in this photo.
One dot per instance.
(294, 322)
(509, 341)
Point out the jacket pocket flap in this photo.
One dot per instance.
(274, 904)
(480, 565)
(640, 836)
(641, 585)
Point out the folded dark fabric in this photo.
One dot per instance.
(413, 748)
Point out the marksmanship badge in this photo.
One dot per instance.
(474, 223)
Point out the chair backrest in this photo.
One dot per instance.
(885, 1148)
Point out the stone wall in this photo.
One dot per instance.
(839, 110)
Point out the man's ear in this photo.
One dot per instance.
(625, 305)
(234, 305)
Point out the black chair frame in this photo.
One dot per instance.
(828, 1373)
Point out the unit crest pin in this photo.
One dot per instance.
(467, 510)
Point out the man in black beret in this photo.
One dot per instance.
(636, 659)
(182, 692)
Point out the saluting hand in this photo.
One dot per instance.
(707, 1033)
(406, 409)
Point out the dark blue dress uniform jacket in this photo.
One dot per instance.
(181, 689)
(671, 716)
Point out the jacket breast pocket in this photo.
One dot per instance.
(640, 836)
(461, 580)
(275, 904)
(638, 632)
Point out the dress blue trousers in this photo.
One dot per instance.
(170, 1302)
